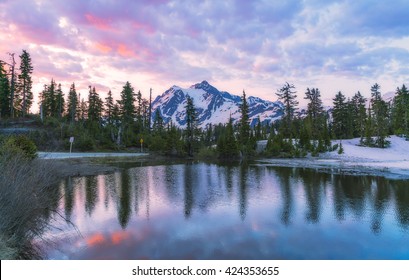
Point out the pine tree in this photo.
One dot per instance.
(150, 110)
(4, 93)
(139, 109)
(83, 110)
(380, 116)
(109, 106)
(369, 129)
(315, 112)
(60, 102)
(226, 144)
(359, 115)
(24, 84)
(145, 114)
(400, 111)
(157, 123)
(116, 114)
(287, 95)
(127, 104)
(49, 100)
(350, 119)
(339, 116)
(258, 130)
(72, 103)
(94, 106)
(191, 124)
(244, 124)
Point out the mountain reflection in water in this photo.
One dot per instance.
(209, 211)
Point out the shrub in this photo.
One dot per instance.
(19, 145)
(28, 198)
(207, 153)
(341, 149)
(84, 143)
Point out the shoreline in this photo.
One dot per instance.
(391, 162)
(91, 165)
(338, 166)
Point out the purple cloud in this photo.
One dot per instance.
(237, 41)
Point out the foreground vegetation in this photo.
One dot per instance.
(27, 198)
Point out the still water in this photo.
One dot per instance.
(210, 211)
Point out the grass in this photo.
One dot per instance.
(28, 200)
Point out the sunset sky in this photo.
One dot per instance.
(253, 45)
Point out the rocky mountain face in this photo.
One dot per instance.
(213, 106)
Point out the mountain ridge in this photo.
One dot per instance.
(213, 106)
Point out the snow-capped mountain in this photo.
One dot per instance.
(213, 106)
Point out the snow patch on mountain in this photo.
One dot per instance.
(213, 106)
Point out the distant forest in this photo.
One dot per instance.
(108, 124)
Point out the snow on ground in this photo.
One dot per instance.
(390, 162)
(398, 151)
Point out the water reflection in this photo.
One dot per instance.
(91, 193)
(243, 190)
(124, 207)
(231, 208)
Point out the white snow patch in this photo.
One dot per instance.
(390, 162)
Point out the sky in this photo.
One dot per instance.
(236, 44)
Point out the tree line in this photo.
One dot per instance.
(129, 121)
(16, 94)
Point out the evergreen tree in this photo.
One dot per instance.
(287, 95)
(244, 124)
(157, 122)
(24, 94)
(94, 106)
(49, 100)
(339, 116)
(139, 110)
(350, 119)
(83, 110)
(72, 103)
(400, 111)
(109, 106)
(359, 115)
(315, 112)
(116, 114)
(4, 93)
(258, 130)
(380, 116)
(227, 145)
(127, 104)
(368, 129)
(173, 144)
(60, 102)
(150, 110)
(191, 124)
(145, 114)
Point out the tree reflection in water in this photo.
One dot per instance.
(239, 201)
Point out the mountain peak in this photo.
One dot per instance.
(213, 106)
(203, 85)
(208, 88)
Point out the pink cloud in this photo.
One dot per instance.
(143, 26)
(99, 23)
(123, 50)
(103, 48)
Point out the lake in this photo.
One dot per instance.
(248, 211)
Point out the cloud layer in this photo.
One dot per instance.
(258, 45)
